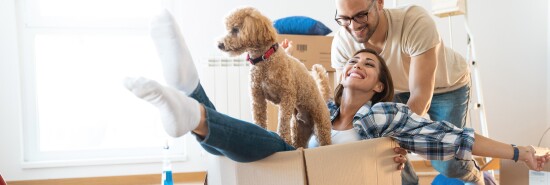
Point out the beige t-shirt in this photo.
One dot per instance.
(411, 32)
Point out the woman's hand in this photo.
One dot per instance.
(542, 160)
(400, 159)
(533, 162)
(287, 46)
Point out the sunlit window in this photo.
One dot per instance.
(76, 54)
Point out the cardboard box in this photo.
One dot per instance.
(512, 173)
(368, 162)
(279, 168)
(310, 49)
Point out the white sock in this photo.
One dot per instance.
(179, 113)
(178, 67)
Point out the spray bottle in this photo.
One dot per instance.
(166, 167)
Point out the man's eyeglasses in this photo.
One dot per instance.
(360, 18)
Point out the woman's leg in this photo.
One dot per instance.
(239, 140)
(200, 95)
(177, 65)
(179, 113)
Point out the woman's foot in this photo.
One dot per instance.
(177, 64)
(179, 113)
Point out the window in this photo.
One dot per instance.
(75, 55)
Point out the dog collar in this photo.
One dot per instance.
(265, 56)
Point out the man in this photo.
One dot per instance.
(430, 78)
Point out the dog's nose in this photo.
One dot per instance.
(221, 46)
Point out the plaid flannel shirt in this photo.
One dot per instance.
(433, 140)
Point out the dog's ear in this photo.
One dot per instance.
(259, 29)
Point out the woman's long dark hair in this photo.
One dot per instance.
(384, 76)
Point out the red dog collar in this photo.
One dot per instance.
(265, 56)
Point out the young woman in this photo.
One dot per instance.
(361, 103)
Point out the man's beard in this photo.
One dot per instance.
(371, 28)
(367, 36)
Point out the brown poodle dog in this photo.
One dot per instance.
(277, 77)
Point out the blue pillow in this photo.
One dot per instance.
(300, 25)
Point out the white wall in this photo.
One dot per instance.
(511, 39)
(512, 44)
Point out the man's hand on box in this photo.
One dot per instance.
(400, 159)
(287, 46)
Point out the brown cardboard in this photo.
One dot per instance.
(310, 49)
(280, 168)
(368, 162)
(512, 173)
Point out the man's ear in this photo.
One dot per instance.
(379, 87)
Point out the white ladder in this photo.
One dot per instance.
(458, 7)
(449, 8)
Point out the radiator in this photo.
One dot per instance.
(226, 81)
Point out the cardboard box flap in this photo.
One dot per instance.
(289, 168)
(291, 164)
(368, 162)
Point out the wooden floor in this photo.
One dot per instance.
(194, 178)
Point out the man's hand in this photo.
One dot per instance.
(287, 46)
(400, 159)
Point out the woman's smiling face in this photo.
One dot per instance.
(361, 72)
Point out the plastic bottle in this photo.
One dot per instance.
(166, 168)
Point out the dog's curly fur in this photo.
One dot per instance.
(281, 79)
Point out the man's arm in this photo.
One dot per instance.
(422, 81)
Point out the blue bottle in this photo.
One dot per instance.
(166, 168)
